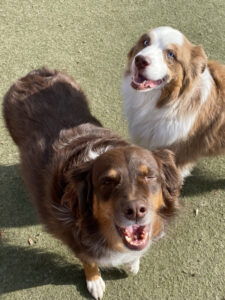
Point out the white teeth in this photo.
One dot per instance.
(137, 242)
(128, 238)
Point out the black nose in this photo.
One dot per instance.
(142, 61)
(135, 210)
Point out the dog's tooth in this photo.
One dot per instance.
(128, 239)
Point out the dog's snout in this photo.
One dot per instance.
(142, 61)
(135, 210)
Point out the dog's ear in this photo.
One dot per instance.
(78, 191)
(171, 182)
(129, 59)
(195, 66)
(198, 61)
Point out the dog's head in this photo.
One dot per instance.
(164, 59)
(129, 191)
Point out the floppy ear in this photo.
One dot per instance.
(198, 61)
(129, 59)
(78, 191)
(171, 182)
(195, 66)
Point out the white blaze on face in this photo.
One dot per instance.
(161, 37)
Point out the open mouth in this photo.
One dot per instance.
(139, 82)
(135, 237)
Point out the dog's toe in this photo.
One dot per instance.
(96, 288)
(134, 266)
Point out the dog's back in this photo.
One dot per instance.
(38, 106)
(36, 109)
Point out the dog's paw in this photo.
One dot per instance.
(96, 288)
(134, 266)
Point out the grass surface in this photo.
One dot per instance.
(90, 39)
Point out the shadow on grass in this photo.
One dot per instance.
(16, 209)
(200, 182)
(23, 268)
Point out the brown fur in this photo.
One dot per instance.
(207, 136)
(79, 197)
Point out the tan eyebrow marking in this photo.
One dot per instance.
(143, 169)
(112, 173)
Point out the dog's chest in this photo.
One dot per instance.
(116, 258)
(149, 126)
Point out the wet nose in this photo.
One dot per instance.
(135, 210)
(142, 61)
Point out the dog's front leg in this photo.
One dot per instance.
(95, 283)
(133, 267)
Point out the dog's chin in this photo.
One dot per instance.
(143, 84)
(135, 237)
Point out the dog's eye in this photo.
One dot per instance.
(150, 177)
(170, 54)
(107, 181)
(146, 42)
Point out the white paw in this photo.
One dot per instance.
(134, 266)
(96, 288)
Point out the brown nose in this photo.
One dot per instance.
(142, 61)
(135, 210)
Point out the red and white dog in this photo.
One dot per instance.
(174, 97)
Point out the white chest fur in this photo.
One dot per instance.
(114, 258)
(153, 128)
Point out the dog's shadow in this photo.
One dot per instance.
(16, 209)
(27, 267)
(200, 182)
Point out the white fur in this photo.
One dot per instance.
(94, 154)
(116, 258)
(185, 172)
(161, 38)
(205, 85)
(165, 35)
(153, 128)
(133, 267)
(158, 68)
(96, 288)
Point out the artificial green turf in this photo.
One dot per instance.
(90, 39)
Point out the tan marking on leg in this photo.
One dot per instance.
(91, 271)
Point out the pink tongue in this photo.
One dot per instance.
(146, 83)
(152, 83)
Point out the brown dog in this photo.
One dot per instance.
(174, 97)
(106, 199)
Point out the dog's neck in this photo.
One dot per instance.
(154, 127)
